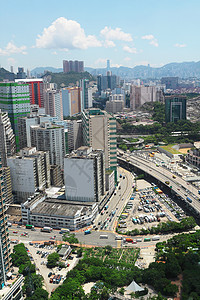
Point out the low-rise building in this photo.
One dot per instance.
(57, 213)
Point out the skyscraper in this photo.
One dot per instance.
(99, 132)
(21, 74)
(49, 137)
(15, 99)
(7, 138)
(107, 82)
(5, 259)
(71, 101)
(36, 90)
(175, 108)
(73, 66)
(84, 93)
(84, 175)
(53, 103)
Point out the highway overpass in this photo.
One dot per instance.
(179, 186)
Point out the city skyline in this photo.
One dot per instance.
(128, 33)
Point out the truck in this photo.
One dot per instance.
(58, 279)
(46, 229)
(28, 226)
(189, 200)
(88, 231)
(129, 240)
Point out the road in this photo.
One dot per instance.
(179, 185)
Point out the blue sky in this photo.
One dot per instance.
(129, 33)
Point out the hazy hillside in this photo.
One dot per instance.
(64, 79)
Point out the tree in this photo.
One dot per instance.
(40, 294)
(52, 260)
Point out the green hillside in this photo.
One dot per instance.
(64, 79)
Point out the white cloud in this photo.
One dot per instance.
(11, 61)
(12, 49)
(130, 49)
(109, 44)
(151, 38)
(115, 34)
(180, 45)
(66, 34)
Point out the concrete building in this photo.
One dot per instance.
(57, 213)
(73, 66)
(8, 185)
(75, 137)
(36, 90)
(13, 289)
(140, 95)
(15, 99)
(170, 82)
(21, 74)
(49, 137)
(110, 181)
(30, 171)
(175, 108)
(84, 175)
(24, 124)
(114, 106)
(5, 258)
(107, 82)
(99, 132)
(53, 103)
(193, 157)
(71, 101)
(7, 138)
(56, 176)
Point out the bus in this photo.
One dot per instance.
(103, 236)
(28, 226)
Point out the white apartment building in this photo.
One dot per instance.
(30, 171)
(84, 175)
(53, 103)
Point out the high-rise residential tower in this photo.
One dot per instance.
(30, 170)
(53, 103)
(71, 101)
(73, 66)
(5, 259)
(99, 132)
(7, 138)
(15, 99)
(36, 90)
(49, 137)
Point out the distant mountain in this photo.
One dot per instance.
(181, 70)
(41, 70)
(3, 74)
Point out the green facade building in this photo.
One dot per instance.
(15, 99)
(175, 108)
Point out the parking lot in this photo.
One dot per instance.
(147, 208)
(38, 255)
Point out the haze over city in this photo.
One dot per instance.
(129, 33)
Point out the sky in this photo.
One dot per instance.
(43, 33)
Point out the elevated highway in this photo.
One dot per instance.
(164, 176)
